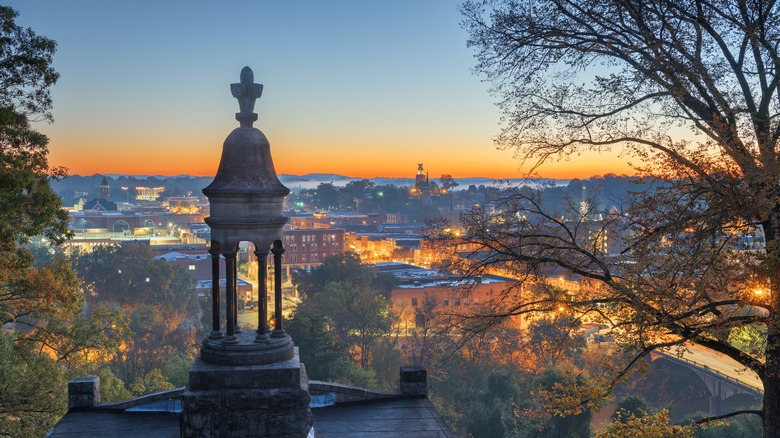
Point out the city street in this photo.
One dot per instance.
(247, 319)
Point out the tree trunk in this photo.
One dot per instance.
(771, 378)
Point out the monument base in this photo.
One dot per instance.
(247, 351)
(247, 401)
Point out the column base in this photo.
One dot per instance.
(243, 350)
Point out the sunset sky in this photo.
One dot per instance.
(359, 88)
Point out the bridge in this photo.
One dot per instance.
(723, 376)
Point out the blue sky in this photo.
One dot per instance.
(362, 88)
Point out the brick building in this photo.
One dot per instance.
(409, 301)
(307, 248)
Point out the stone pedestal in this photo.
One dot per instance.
(247, 401)
(414, 380)
(83, 392)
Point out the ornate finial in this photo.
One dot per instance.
(246, 92)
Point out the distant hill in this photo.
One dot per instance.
(312, 180)
(606, 191)
(88, 187)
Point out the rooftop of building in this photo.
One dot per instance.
(329, 215)
(412, 276)
(174, 255)
(206, 284)
(123, 237)
(338, 411)
(391, 235)
(125, 213)
(100, 205)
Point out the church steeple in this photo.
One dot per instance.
(104, 189)
(421, 178)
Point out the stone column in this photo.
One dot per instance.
(262, 295)
(216, 331)
(278, 250)
(715, 405)
(715, 399)
(230, 297)
(235, 295)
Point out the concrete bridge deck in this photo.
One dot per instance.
(723, 376)
(718, 364)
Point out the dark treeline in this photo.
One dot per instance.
(75, 187)
(488, 383)
(365, 196)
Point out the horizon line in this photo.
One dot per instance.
(112, 174)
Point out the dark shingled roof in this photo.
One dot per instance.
(411, 417)
(99, 423)
(100, 205)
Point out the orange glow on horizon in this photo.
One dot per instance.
(396, 168)
(200, 155)
(390, 167)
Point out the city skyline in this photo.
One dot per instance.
(361, 90)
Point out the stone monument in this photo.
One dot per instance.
(246, 384)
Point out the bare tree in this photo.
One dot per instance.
(426, 329)
(689, 90)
